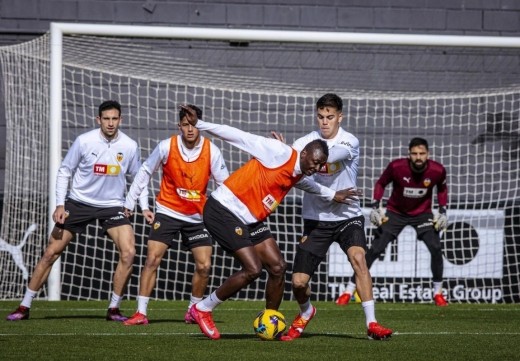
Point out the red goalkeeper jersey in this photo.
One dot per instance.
(412, 193)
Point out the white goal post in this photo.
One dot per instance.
(415, 104)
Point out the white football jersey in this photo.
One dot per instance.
(339, 173)
(98, 168)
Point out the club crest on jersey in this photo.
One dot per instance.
(427, 182)
(156, 225)
(238, 231)
(107, 169)
(119, 157)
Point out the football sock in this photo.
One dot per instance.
(194, 300)
(370, 311)
(437, 287)
(142, 304)
(306, 309)
(351, 288)
(209, 303)
(115, 301)
(28, 298)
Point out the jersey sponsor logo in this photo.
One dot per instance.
(330, 168)
(107, 169)
(239, 231)
(409, 192)
(156, 225)
(270, 202)
(427, 182)
(343, 142)
(191, 195)
(119, 157)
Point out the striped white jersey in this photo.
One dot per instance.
(339, 173)
(98, 168)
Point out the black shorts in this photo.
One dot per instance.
(229, 231)
(80, 215)
(318, 237)
(422, 223)
(166, 229)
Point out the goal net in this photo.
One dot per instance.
(258, 87)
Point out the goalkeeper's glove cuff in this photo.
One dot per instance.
(442, 210)
(376, 204)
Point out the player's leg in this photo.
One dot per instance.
(304, 266)
(147, 279)
(272, 260)
(234, 237)
(352, 241)
(432, 241)
(124, 240)
(58, 240)
(383, 235)
(200, 278)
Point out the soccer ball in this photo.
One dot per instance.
(269, 325)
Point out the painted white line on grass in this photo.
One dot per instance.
(95, 334)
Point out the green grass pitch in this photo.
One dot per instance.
(77, 330)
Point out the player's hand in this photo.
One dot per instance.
(377, 215)
(191, 114)
(128, 213)
(440, 221)
(278, 136)
(348, 195)
(59, 215)
(149, 216)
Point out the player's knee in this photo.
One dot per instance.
(253, 272)
(127, 255)
(203, 268)
(299, 283)
(279, 269)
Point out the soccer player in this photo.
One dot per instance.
(188, 161)
(235, 211)
(410, 204)
(328, 222)
(97, 162)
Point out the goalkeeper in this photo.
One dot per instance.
(413, 180)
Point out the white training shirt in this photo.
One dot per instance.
(340, 173)
(98, 168)
(159, 157)
(270, 152)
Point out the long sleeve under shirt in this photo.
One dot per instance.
(98, 168)
(159, 157)
(271, 153)
(339, 173)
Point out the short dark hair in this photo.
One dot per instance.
(182, 112)
(317, 144)
(416, 142)
(107, 105)
(330, 100)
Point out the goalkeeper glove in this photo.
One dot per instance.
(377, 215)
(440, 220)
